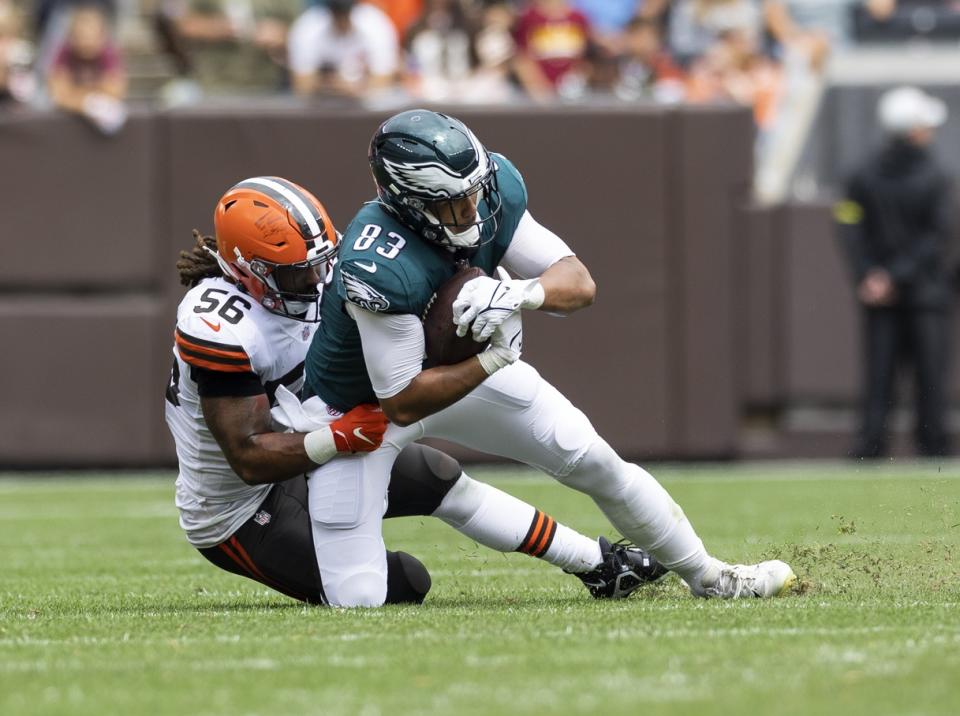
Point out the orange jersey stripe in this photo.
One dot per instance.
(211, 365)
(225, 352)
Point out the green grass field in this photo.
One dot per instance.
(105, 609)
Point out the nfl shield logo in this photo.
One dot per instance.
(306, 332)
(262, 518)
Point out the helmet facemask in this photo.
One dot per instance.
(450, 231)
(290, 290)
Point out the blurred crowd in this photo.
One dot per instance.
(66, 53)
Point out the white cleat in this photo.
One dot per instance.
(735, 581)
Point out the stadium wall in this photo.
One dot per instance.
(706, 306)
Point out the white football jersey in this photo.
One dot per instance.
(219, 327)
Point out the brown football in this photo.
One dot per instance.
(443, 345)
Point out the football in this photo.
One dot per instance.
(443, 345)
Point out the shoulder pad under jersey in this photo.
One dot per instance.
(213, 329)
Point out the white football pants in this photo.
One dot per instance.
(515, 414)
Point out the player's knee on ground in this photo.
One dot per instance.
(361, 589)
(408, 580)
(420, 479)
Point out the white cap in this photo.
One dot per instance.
(906, 108)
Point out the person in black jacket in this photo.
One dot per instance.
(895, 223)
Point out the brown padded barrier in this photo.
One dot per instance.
(709, 178)
(821, 323)
(646, 197)
(78, 209)
(599, 185)
(759, 278)
(80, 384)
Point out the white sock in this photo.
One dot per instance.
(572, 551)
(642, 510)
(502, 522)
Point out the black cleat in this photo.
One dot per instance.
(625, 568)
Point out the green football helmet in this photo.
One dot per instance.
(426, 165)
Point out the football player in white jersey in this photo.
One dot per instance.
(242, 334)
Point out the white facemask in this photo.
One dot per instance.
(463, 240)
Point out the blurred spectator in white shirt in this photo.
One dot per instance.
(16, 80)
(494, 47)
(440, 58)
(344, 48)
(87, 76)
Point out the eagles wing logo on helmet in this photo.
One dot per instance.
(363, 294)
(434, 179)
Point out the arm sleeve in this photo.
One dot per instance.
(393, 348)
(217, 384)
(533, 249)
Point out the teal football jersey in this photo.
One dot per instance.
(382, 266)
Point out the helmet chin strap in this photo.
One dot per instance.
(298, 308)
(463, 240)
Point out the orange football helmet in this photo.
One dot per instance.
(276, 240)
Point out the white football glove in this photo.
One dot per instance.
(487, 302)
(506, 344)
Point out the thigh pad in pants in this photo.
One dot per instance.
(347, 498)
(517, 414)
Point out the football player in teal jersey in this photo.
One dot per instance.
(444, 200)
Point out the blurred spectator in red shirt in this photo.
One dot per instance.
(87, 75)
(646, 70)
(16, 79)
(553, 41)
